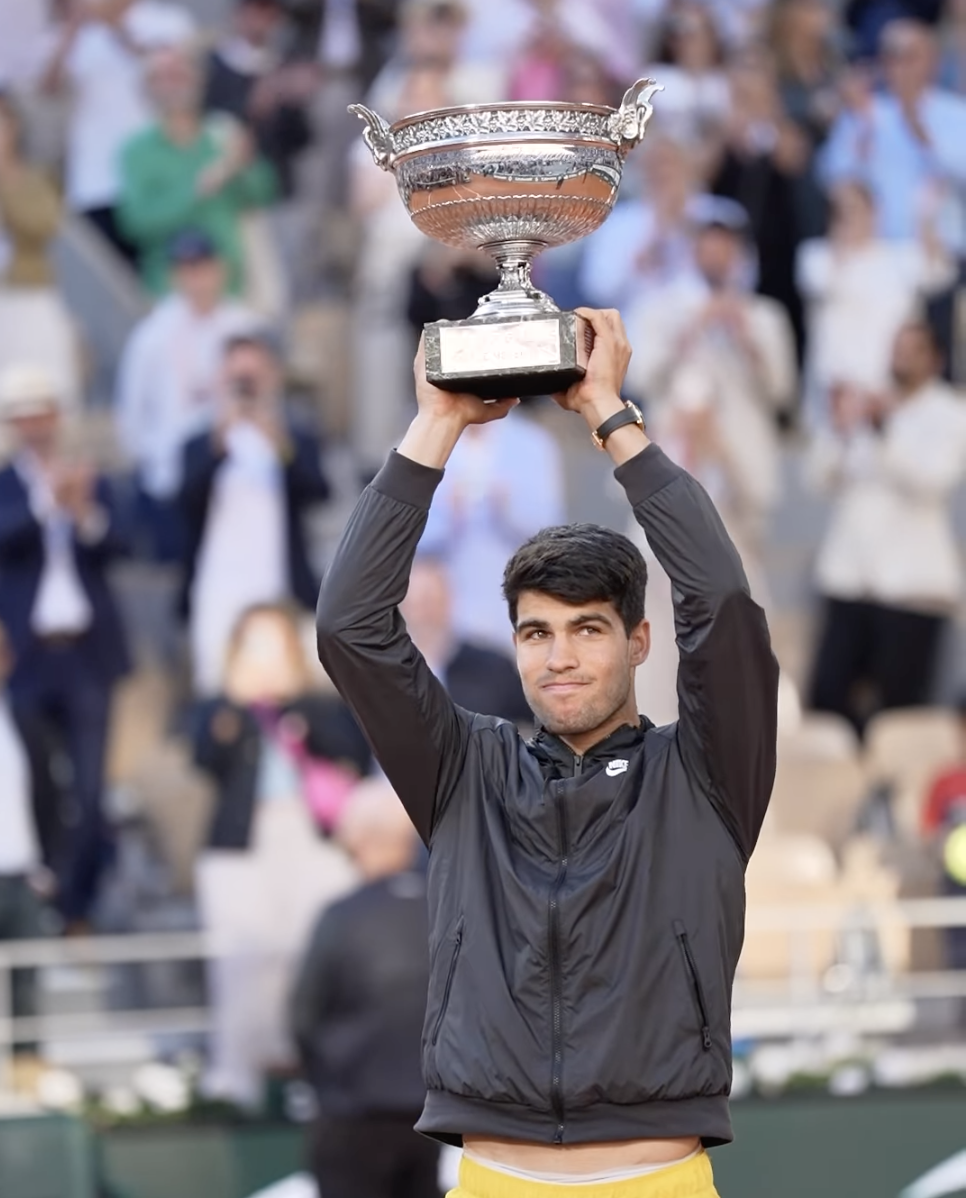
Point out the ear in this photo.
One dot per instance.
(639, 641)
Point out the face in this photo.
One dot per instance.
(811, 20)
(38, 433)
(693, 41)
(258, 21)
(427, 606)
(266, 662)
(576, 663)
(852, 205)
(173, 82)
(201, 283)
(913, 358)
(717, 254)
(908, 58)
(251, 375)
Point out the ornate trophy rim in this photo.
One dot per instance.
(416, 118)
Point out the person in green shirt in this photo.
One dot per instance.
(188, 171)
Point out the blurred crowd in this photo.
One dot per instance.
(789, 255)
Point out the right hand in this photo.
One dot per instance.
(454, 407)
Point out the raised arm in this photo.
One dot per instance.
(728, 676)
(417, 733)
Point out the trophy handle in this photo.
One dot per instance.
(376, 135)
(628, 124)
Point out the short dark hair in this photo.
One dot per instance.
(262, 339)
(578, 564)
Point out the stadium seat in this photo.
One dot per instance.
(820, 782)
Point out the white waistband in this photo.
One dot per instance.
(580, 1179)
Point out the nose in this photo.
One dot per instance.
(561, 656)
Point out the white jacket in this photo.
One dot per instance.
(891, 538)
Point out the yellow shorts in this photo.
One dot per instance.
(689, 1179)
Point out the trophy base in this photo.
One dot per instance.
(507, 357)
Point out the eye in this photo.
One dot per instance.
(590, 630)
(535, 634)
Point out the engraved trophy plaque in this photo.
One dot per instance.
(510, 179)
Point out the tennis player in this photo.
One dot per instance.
(586, 887)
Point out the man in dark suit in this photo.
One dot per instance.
(58, 535)
(247, 485)
(476, 678)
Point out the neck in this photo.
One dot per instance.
(203, 307)
(581, 742)
(181, 127)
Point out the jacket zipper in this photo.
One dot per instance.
(556, 998)
(685, 943)
(449, 984)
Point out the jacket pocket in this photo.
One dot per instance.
(450, 974)
(694, 978)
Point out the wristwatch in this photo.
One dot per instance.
(631, 414)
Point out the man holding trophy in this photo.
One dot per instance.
(586, 887)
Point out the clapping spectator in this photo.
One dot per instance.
(716, 364)
(58, 536)
(98, 57)
(169, 379)
(248, 77)
(860, 288)
(907, 141)
(808, 58)
(34, 322)
(247, 487)
(691, 65)
(477, 678)
(188, 173)
(268, 743)
(889, 568)
(503, 483)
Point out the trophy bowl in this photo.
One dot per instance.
(510, 179)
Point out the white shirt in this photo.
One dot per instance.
(891, 538)
(19, 853)
(167, 385)
(61, 606)
(243, 557)
(857, 301)
(108, 104)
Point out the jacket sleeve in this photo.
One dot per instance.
(20, 531)
(728, 675)
(417, 733)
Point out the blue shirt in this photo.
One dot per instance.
(882, 151)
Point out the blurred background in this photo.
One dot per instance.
(212, 919)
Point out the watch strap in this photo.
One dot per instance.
(629, 414)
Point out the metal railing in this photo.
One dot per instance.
(802, 1002)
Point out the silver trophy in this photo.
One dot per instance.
(510, 179)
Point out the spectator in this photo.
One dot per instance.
(952, 63)
(168, 382)
(97, 58)
(23, 914)
(860, 289)
(58, 535)
(478, 679)
(34, 322)
(188, 173)
(690, 64)
(765, 167)
(646, 243)
(906, 142)
(944, 825)
(716, 365)
(390, 245)
(803, 36)
(866, 20)
(265, 871)
(889, 568)
(504, 482)
(248, 78)
(246, 488)
(357, 1014)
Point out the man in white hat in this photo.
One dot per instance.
(58, 534)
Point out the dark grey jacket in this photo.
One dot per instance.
(586, 914)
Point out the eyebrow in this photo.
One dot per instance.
(590, 617)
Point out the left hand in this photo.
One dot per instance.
(600, 388)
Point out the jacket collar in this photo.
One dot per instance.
(552, 752)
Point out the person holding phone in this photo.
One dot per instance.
(247, 484)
